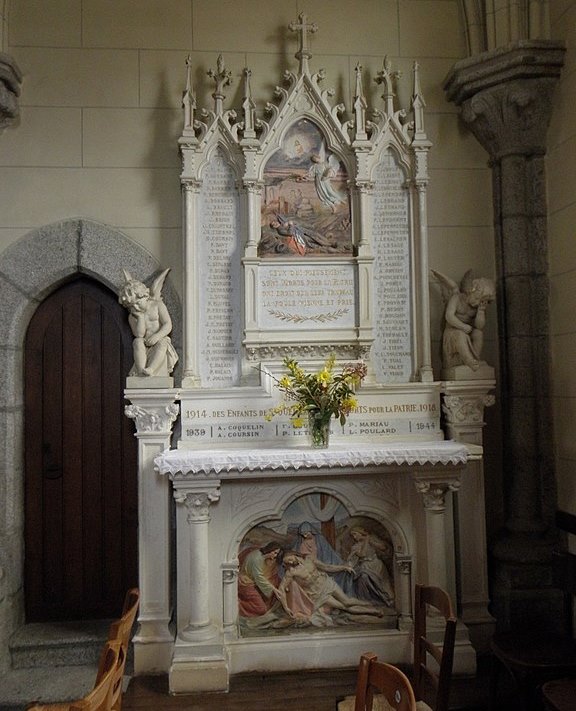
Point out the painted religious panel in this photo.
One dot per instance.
(318, 568)
(305, 207)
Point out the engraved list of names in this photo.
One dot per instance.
(219, 277)
(391, 350)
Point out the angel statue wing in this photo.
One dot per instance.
(157, 284)
(448, 286)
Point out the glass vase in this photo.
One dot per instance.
(318, 430)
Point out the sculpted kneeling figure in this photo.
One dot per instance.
(465, 318)
(154, 354)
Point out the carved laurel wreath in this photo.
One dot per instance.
(319, 318)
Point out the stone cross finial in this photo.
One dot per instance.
(387, 77)
(303, 54)
(222, 77)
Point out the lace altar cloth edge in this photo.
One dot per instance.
(183, 461)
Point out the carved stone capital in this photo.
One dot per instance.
(10, 80)
(404, 565)
(153, 418)
(253, 187)
(434, 492)
(365, 186)
(467, 410)
(191, 185)
(197, 503)
(505, 95)
(229, 573)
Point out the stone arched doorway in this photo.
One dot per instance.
(81, 489)
(30, 269)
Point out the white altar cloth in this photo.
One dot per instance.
(188, 461)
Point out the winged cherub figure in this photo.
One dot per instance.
(465, 318)
(150, 322)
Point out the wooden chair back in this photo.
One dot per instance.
(101, 696)
(379, 677)
(428, 675)
(120, 632)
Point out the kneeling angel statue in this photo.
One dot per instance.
(154, 354)
(465, 318)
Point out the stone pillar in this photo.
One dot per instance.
(200, 659)
(463, 408)
(193, 562)
(434, 488)
(153, 412)
(404, 591)
(230, 598)
(506, 100)
(10, 80)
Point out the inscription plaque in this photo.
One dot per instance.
(306, 295)
(227, 421)
(220, 277)
(392, 347)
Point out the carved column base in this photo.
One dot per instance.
(189, 676)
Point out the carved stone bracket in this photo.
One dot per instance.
(10, 81)
(152, 419)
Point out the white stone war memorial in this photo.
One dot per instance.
(305, 236)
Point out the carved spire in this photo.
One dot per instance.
(188, 99)
(248, 107)
(303, 54)
(418, 105)
(222, 77)
(387, 77)
(360, 106)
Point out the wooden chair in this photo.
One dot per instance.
(102, 695)
(118, 640)
(538, 654)
(120, 632)
(431, 682)
(385, 679)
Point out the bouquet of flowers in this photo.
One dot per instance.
(319, 395)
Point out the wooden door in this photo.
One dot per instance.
(80, 457)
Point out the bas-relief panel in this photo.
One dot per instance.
(318, 567)
(305, 207)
